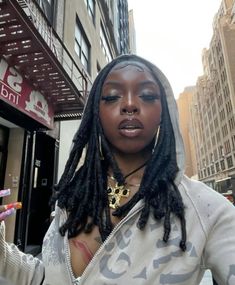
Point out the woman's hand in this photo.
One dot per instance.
(9, 209)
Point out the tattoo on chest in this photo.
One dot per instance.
(98, 240)
(83, 247)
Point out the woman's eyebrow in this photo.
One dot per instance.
(148, 82)
(112, 82)
(144, 82)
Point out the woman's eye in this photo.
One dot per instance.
(110, 98)
(149, 97)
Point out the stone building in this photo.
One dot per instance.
(213, 107)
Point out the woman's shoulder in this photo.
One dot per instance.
(59, 215)
(209, 205)
(58, 218)
(199, 191)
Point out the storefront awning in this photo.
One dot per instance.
(29, 43)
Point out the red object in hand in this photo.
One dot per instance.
(15, 205)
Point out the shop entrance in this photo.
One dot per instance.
(43, 170)
(4, 135)
(34, 218)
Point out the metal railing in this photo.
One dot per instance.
(79, 76)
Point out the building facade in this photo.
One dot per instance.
(132, 33)
(50, 52)
(184, 103)
(213, 107)
(95, 33)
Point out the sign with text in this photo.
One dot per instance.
(16, 91)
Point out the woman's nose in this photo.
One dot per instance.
(129, 106)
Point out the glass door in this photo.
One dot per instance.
(4, 135)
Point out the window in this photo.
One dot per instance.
(222, 165)
(231, 124)
(230, 161)
(208, 171)
(221, 151)
(215, 154)
(229, 107)
(104, 44)
(220, 100)
(47, 7)
(200, 175)
(233, 142)
(90, 4)
(212, 169)
(82, 47)
(226, 91)
(225, 130)
(222, 115)
(227, 147)
(218, 136)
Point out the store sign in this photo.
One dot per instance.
(17, 92)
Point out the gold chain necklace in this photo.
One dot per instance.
(116, 192)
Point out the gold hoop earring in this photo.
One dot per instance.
(100, 148)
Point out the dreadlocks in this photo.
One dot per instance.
(81, 192)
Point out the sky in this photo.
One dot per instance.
(172, 35)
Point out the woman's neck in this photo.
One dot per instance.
(129, 162)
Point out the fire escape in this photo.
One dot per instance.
(29, 43)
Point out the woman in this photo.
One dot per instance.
(128, 215)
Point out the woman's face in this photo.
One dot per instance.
(130, 107)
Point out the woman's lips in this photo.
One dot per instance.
(130, 127)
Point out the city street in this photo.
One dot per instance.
(117, 142)
(207, 279)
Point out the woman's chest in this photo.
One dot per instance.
(128, 254)
(82, 249)
(84, 246)
(132, 256)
